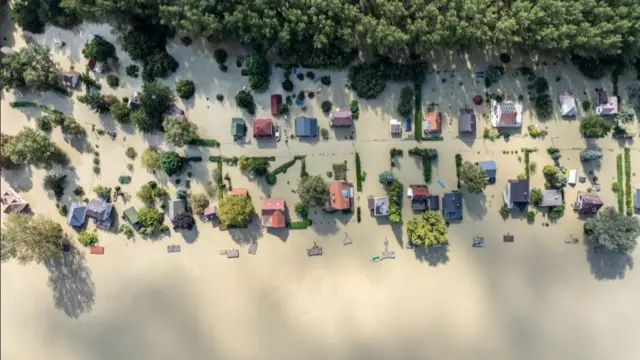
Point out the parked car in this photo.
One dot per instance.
(278, 132)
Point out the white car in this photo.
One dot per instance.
(278, 132)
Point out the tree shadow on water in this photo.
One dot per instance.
(433, 256)
(71, 284)
(608, 265)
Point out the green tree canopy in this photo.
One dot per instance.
(472, 177)
(313, 190)
(427, 229)
(30, 238)
(594, 126)
(150, 219)
(536, 196)
(88, 238)
(154, 101)
(386, 177)
(185, 88)
(121, 112)
(150, 158)
(31, 68)
(98, 48)
(170, 162)
(198, 203)
(612, 231)
(178, 131)
(32, 147)
(235, 210)
(256, 166)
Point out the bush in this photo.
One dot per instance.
(78, 191)
(358, 173)
(355, 109)
(132, 71)
(326, 106)
(615, 187)
(556, 212)
(543, 105)
(287, 85)
(405, 106)
(185, 88)
(619, 165)
(88, 238)
(427, 156)
(325, 80)
(504, 211)
(531, 215)
(121, 112)
(627, 183)
(55, 183)
(220, 97)
(590, 154)
(310, 75)
(102, 192)
(302, 210)
(131, 153)
(98, 48)
(505, 58)
(594, 126)
(536, 196)
(244, 100)
(300, 76)
(113, 81)
(586, 106)
(259, 71)
(43, 123)
(626, 114)
(220, 55)
(367, 81)
(204, 142)
(171, 163)
(184, 220)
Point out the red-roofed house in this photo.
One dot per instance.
(239, 191)
(12, 202)
(506, 114)
(419, 196)
(432, 122)
(273, 213)
(340, 196)
(341, 117)
(262, 128)
(276, 101)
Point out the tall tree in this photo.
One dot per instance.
(613, 231)
(178, 131)
(155, 100)
(31, 68)
(30, 239)
(32, 147)
(472, 177)
(235, 210)
(313, 190)
(427, 229)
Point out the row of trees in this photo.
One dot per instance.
(324, 33)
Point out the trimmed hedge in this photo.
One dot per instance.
(358, 173)
(46, 109)
(427, 156)
(204, 142)
(271, 177)
(219, 180)
(627, 181)
(418, 119)
(359, 214)
(458, 166)
(432, 137)
(194, 158)
(620, 191)
(298, 225)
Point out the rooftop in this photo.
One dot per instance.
(452, 205)
(466, 120)
(551, 198)
(306, 126)
(432, 122)
(262, 128)
(340, 195)
(378, 206)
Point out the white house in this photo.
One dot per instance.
(506, 114)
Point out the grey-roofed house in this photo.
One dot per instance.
(77, 214)
(434, 202)
(134, 101)
(378, 206)
(238, 128)
(341, 117)
(452, 205)
(306, 126)
(638, 199)
(466, 121)
(568, 106)
(516, 193)
(588, 203)
(176, 206)
(551, 198)
(490, 168)
(607, 105)
(131, 215)
(101, 212)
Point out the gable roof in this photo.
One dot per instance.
(342, 117)
(452, 205)
(12, 202)
(131, 215)
(306, 126)
(590, 203)
(568, 106)
(340, 194)
(276, 100)
(273, 213)
(395, 126)
(419, 191)
(489, 167)
(432, 122)
(176, 206)
(273, 204)
(551, 198)
(77, 214)
(262, 128)
(519, 190)
(466, 120)
(238, 129)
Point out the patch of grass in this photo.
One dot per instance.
(620, 191)
(418, 116)
(358, 173)
(204, 142)
(627, 180)
(298, 225)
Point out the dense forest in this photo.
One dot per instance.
(326, 33)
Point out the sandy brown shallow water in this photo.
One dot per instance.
(538, 298)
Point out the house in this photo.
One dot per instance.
(432, 122)
(588, 203)
(276, 100)
(551, 198)
(378, 206)
(340, 196)
(306, 126)
(238, 128)
(452, 205)
(134, 101)
(607, 105)
(211, 212)
(176, 207)
(100, 211)
(239, 192)
(77, 214)
(12, 202)
(506, 114)
(568, 106)
(70, 78)
(466, 121)
(273, 215)
(262, 128)
(341, 117)
(490, 168)
(419, 196)
(174, 112)
(395, 127)
(516, 193)
(131, 216)
(637, 197)
(434, 202)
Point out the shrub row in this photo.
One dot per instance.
(458, 166)
(627, 180)
(432, 137)
(396, 152)
(427, 156)
(620, 191)
(271, 177)
(299, 224)
(526, 163)
(204, 142)
(359, 214)
(219, 180)
(418, 119)
(46, 109)
(194, 158)
(358, 173)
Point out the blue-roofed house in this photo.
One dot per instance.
(77, 214)
(452, 205)
(306, 126)
(490, 168)
(638, 199)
